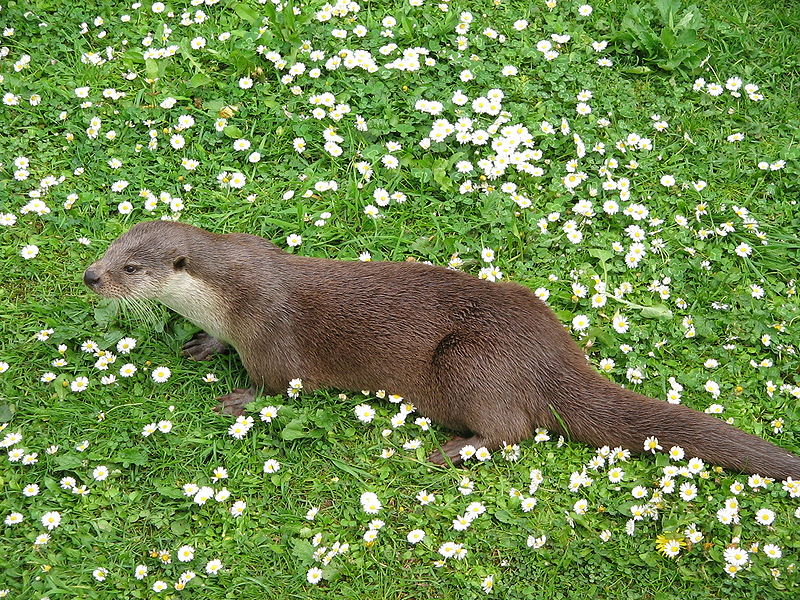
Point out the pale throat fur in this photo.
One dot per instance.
(194, 299)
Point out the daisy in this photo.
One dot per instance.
(425, 498)
(370, 503)
(51, 520)
(13, 518)
(203, 495)
(616, 475)
(160, 374)
(651, 444)
(237, 180)
(177, 141)
(272, 466)
(676, 452)
(736, 556)
(268, 413)
(126, 345)
(449, 549)
(712, 387)
(482, 454)
(732, 569)
(688, 492)
(765, 516)
(620, 323)
(671, 548)
(185, 553)
(80, 384)
(580, 322)
(581, 506)
(238, 508)
(314, 575)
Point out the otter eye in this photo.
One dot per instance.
(130, 269)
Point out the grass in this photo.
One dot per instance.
(707, 310)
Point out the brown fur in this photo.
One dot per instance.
(487, 360)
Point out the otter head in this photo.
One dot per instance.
(140, 263)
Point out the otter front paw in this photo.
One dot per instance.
(203, 346)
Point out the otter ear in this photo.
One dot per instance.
(180, 263)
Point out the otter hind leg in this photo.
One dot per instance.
(203, 346)
(234, 403)
(479, 388)
(452, 450)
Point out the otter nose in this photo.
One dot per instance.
(90, 277)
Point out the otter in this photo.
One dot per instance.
(489, 361)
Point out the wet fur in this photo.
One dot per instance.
(487, 360)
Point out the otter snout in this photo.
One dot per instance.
(91, 277)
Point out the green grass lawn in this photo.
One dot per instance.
(633, 163)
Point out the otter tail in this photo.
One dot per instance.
(614, 416)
